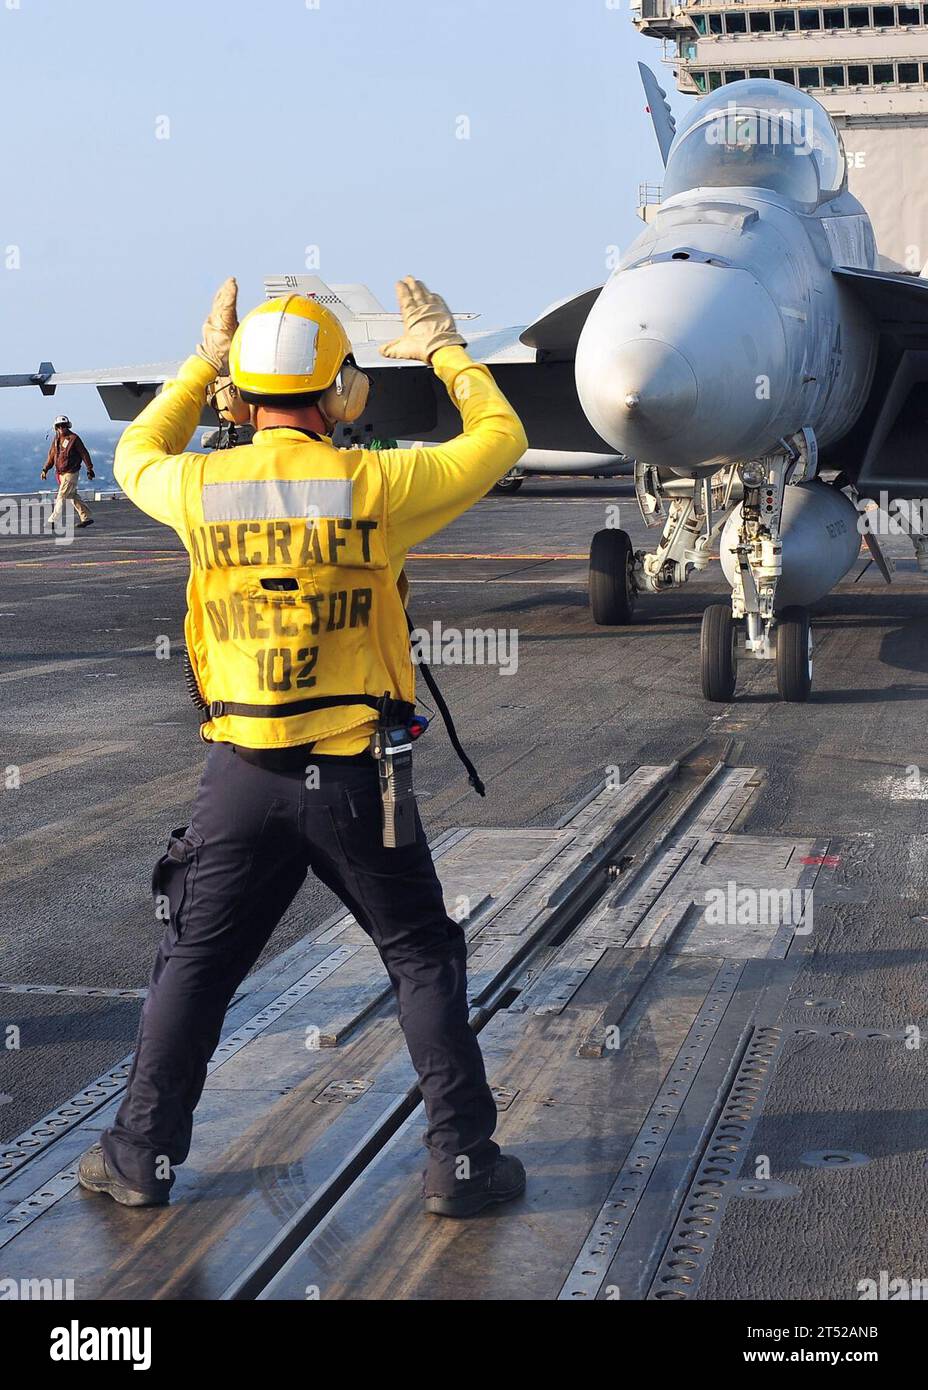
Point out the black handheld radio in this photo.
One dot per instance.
(391, 747)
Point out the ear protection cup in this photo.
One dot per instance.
(345, 399)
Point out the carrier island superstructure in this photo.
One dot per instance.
(867, 64)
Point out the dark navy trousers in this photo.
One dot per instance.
(228, 878)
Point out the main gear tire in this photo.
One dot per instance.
(612, 578)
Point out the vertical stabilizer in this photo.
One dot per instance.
(662, 118)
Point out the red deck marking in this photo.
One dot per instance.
(829, 861)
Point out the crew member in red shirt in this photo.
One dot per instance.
(68, 451)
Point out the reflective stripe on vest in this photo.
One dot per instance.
(277, 497)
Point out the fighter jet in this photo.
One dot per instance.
(745, 346)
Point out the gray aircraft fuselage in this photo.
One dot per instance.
(723, 329)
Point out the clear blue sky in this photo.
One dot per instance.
(292, 124)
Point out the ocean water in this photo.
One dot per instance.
(23, 453)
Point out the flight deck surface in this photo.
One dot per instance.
(705, 1111)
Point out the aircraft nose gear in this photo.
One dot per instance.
(695, 513)
(786, 638)
(718, 653)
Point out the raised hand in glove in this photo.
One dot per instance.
(428, 323)
(219, 328)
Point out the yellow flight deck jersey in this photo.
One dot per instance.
(295, 551)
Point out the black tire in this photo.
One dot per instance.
(717, 653)
(612, 585)
(507, 485)
(794, 655)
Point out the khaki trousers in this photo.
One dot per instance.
(67, 491)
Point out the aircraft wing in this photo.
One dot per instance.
(410, 403)
(491, 346)
(146, 374)
(886, 449)
(533, 365)
(125, 391)
(407, 401)
(897, 301)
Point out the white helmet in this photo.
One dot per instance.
(62, 420)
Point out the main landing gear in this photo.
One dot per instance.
(509, 483)
(612, 578)
(686, 508)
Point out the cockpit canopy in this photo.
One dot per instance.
(759, 134)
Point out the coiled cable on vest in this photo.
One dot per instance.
(193, 689)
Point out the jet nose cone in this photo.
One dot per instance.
(682, 364)
(638, 394)
(650, 390)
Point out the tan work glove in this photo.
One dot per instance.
(219, 328)
(428, 323)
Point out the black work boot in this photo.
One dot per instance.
(501, 1183)
(93, 1174)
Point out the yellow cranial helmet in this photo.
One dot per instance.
(286, 347)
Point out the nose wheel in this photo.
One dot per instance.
(718, 653)
(794, 655)
(612, 578)
(718, 659)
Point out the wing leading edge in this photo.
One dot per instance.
(534, 366)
